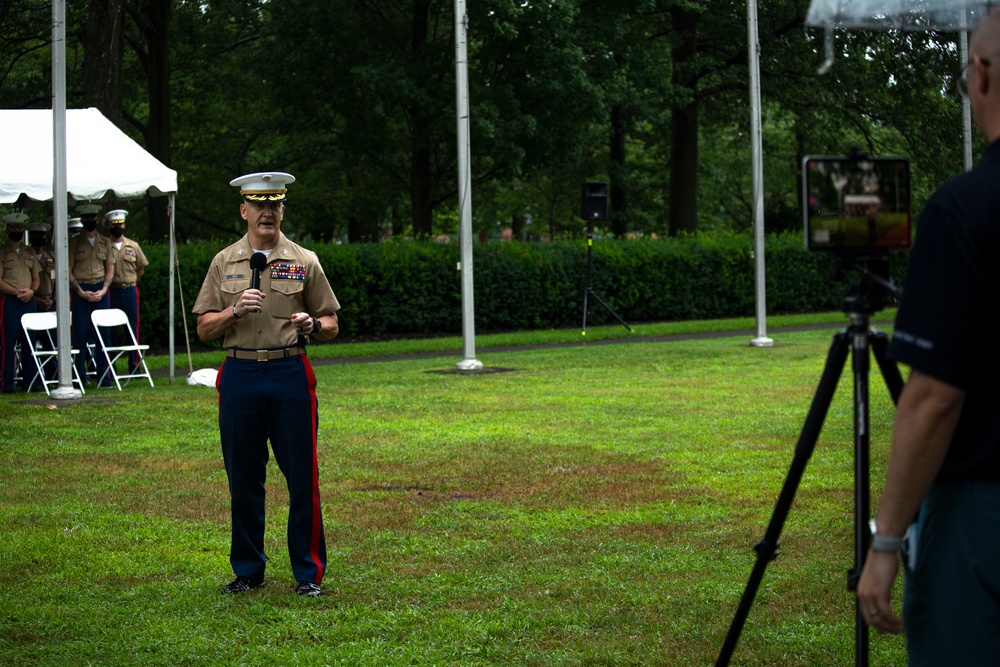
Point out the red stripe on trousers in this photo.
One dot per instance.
(317, 521)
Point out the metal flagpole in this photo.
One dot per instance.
(757, 178)
(963, 45)
(469, 361)
(60, 234)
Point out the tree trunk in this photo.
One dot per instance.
(618, 204)
(420, 156)
(156, 31)
(363, 227)
(517, 227)
(102, 63)
(421, 209)
(684, 129)
(398, 226)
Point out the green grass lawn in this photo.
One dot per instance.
(591, 505)
(390, 346)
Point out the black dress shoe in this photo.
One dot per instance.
(242, 584)
(308, 589)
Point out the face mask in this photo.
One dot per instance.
(36, 240)
(117, 232)
(89, 225)
(15, 236)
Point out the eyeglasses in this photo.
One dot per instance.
(962, 82)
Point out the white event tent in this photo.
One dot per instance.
(101, 161)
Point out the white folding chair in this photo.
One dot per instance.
(90, 360)
(115, 321)
(38, 325)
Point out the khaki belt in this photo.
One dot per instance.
(42, 296)
(123, 285)
(266, 355)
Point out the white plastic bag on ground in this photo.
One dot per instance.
(203, 376)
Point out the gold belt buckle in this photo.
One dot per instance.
(262, 355)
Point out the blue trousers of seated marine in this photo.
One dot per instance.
(261, 401)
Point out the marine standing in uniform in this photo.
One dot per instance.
(91, 269)
(267, 388)
(38, 239)
(18, 282)
(130, 263)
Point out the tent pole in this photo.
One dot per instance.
(170, 294)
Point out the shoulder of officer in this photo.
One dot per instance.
(286, 249)
(236, 252)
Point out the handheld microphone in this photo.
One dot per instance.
(257, 262)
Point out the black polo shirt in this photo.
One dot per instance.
(951, 299)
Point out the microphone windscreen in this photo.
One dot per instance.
(258, 261)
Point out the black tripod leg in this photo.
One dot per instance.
(878, 343)
(862, 339)
(767, 548)
(601, 301)
(585, 295)
(890, 371)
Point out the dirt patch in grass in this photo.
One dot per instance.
(611, 480)
(169, 486)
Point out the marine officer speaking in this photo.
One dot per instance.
(267, 389)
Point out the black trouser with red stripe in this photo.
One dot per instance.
(272, 400)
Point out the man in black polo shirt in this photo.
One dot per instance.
(944, 467)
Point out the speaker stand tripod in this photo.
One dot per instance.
(590, 289)
(858, 338)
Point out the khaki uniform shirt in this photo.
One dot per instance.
(47, 273)
(128, 260)
(293, 282)
(86, 262)
(19, 266)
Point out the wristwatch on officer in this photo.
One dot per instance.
(881, 543)
(317, 325)
(235, 314)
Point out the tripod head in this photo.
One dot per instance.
(873, 288)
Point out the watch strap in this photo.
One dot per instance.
(882, 543)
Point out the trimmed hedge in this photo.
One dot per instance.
(415, 288)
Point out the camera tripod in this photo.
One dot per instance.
(590, 289)
(859, 339)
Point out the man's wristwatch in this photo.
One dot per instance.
(880, 543)
(317, 325)
(235, 314)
